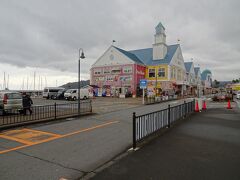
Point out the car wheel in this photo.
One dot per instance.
(84, 97)
(74, 98)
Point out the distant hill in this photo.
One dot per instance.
(223, 83)
(74, 85)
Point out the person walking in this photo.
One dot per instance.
(27, 103)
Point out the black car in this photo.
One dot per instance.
(60, 94)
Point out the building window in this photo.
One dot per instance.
(109, 78)
(97, 71)
(116, 71)
(127, 69)
(107, 71)
(161, 72)
(151, 73)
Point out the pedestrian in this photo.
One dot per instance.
(27, 103)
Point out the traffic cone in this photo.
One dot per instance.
(197, 107)
(229, 105)
(204, 105)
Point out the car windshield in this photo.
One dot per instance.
(61, 91)
(69, 90)
(14, 96)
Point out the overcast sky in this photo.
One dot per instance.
(44, 35)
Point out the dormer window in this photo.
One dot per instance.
(161, 72)
(151, 72)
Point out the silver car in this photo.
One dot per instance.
(10, 101)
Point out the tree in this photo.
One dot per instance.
(236, 80)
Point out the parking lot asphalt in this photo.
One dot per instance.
(100, 104)
(205, 146)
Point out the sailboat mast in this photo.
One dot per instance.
(34, 77)
(8, 82)
(4, 81)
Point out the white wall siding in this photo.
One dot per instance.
(112, 57)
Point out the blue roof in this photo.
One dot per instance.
(146, 55)
(205, 73)
(196, 69)
(130, 55)
(188, 66)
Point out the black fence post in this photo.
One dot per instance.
(185, 109)
(193, 105)
(55, 110)
(169, 120)
(134, 131)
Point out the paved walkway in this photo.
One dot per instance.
(206, 146)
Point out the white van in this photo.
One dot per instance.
(50, 92)
(238, 95)
(72, 94)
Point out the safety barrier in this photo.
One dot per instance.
(147, 124)
(154, 100)
(46, 112)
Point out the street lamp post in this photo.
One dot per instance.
(81, 56)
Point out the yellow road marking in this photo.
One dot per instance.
(43, 132)
(15, 139)
(14, 149)
(56, 136)
(28, 136)
(89, 129)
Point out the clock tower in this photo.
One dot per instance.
(159, 46)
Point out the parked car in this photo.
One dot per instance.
(60, 94)
(10, 101)
(50, 92)
(72, 94)
(238, 95)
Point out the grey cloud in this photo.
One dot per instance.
(48, 34)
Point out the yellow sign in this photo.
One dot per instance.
(236, 87)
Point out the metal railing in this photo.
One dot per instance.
(46, 112)
(153, 100)
(147, 124)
